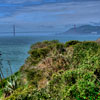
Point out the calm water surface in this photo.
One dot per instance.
(15, 48)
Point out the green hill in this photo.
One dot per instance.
(84, 30)
(56, 71)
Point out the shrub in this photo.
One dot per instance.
(11, 86)
(86, 53)
(71, 43)
(74, 84)
(61, 73)
(40, 52)
(34, 76)
(37, 54)
(3, 83)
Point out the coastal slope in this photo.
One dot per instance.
(57, 71)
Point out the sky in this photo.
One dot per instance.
(47, 15)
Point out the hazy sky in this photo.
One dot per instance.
(52, 15)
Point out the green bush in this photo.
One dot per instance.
(11, 86)
(71, 43)
(34, 76)
(74, 84)
(67, 73)
(3, 83)
(86, 53)
(39, 53)
(1, 92)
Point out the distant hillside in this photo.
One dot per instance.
(85, 29)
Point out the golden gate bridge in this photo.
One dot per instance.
(14, 31)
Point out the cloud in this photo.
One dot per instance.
(18, 1)
(48, 16)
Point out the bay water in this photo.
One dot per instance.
(15, 49)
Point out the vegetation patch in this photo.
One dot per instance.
(57, 71)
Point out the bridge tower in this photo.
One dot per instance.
(14, 30)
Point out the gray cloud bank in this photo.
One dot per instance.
(52, 15)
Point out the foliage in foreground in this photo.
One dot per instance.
(57, 71)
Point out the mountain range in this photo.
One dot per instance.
(83, 30)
